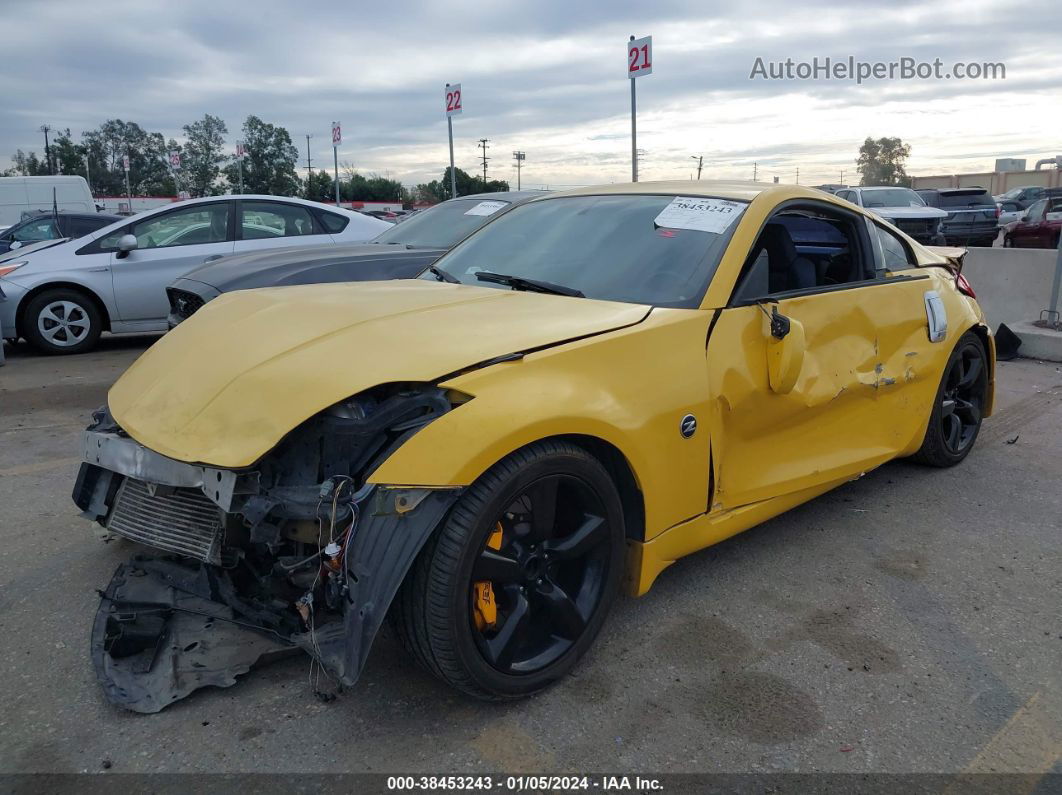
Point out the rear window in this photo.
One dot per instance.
(965, 199)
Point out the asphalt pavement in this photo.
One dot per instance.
(908, 621)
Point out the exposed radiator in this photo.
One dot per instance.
(182, 521)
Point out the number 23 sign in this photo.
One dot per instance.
(640, 57)
(453, 99)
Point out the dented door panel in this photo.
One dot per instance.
(863, 392)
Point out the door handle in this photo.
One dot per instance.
(102, 269)
(213, 257)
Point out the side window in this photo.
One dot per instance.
(894, 252)
(204, 223)
(804, 249)
(1036, 212)
(844, 194)
(333, 222)
(266, 220)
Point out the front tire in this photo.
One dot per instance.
(507, 596)
(62, 321)
(958, 407)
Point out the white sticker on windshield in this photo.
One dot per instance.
(486, 208)
(699, 214)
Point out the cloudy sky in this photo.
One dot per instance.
(547, 77)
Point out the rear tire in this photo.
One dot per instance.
(62, 321)
(554, 573)
(958, 406)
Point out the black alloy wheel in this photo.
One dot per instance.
(547, 577)
(513, 588)
(959, 407)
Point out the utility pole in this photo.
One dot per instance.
(700, 162)
(47, 149)
(755, 167)
(798, 175)
(519, 157)
(309, 171)
(483, 146)
(842, 176)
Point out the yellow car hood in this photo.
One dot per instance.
(226, 385)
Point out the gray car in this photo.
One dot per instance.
(903, 208)
(61, 297)
(401, 252)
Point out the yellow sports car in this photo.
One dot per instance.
(586, 389)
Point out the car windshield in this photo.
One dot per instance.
(1013, 193)
(892, 197)
(638, 249)
(444, 224)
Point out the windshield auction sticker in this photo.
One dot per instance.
(486, 208)
(700, 214)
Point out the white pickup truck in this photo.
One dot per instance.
(901, 207)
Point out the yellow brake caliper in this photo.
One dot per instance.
(484, 608)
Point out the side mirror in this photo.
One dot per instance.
(1024, 217)
(15, 244)
(785, 350)
(126, 243)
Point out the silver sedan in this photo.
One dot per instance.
(62, 296)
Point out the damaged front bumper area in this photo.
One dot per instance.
(289, 554)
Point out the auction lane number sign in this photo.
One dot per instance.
(640, 57)
(175, 160)
(337, 133)
(453, 99)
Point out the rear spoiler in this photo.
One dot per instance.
(953, 254)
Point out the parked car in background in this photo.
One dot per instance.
(1024, 196)
(52, 226)
(61, 297)
(973, 215)
(22, 196)
(1009, 212)
(401, 252)
(904, 208)
(1039, 227)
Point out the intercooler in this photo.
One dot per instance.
(177, 520)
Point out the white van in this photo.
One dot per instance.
(19, 195)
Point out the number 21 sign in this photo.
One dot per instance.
(453, 99)
(640, 57)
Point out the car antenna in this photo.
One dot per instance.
(55, 210)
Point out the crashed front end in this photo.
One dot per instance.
(294, 552)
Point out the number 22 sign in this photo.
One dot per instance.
(640, 57)
(453, 99)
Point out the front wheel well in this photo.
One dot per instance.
(619, 469)
(20, 314)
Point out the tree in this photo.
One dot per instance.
(882, 161)
(204, 153)
(69, 157)
(466, 184)
(322, 187)
(269, 165)
(28, 165)
(149, 173)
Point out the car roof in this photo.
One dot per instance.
(505, 195)
(884, 187)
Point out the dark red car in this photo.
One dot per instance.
(1039, 227)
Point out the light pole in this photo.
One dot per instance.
(700, 162)
(47, 149)
(309, 171)
(519, 157)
